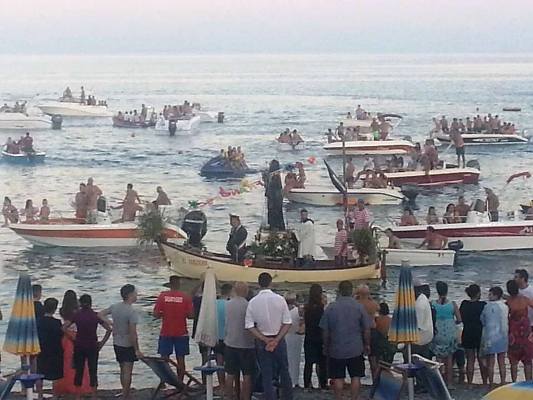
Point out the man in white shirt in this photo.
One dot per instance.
(521, 277)
(305, 235)
(268, 319)
(424, 320)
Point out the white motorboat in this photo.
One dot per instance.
(434, 177)
(15, 121)
(370, 147)
(207, 115)
(481, 139)
(74, 110)
(319, 196)
(477, 234)
(182, 125)
(419, 257)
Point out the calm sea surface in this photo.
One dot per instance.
(260, 95)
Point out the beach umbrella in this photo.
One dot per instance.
(207, 327)
(21, 336)
(513, 391)
(404, 327)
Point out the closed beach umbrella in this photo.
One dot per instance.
(207, 328)
(404, 327)
(21, 336)
(513, 391)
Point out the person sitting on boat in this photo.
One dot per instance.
(10, 212)
(432, 218)
(408, 218)
(236, 245)
(29, 211)
(349, 115)
(469, 126)
(301, 178)
(384, 128)
(305, 235)
(80, 202)
(462, 209)
(350, 173)
(359, 112)
(433, 240)
(444, 124)
(295, 138)
(44, 212)
(11, 147)
(339, 132)
(290, 182)
(331, 136)
(285, 136)
(450, 216)
(394, 242)
(378, 180)
(366, 176)
(162, 198)
(492, 205)
(341, 245)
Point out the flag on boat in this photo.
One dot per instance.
(404, 328)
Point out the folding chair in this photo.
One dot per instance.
(387, 386)
(7, 385)
(163, 368)
(429, 376)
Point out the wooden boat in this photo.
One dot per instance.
(370, 147)
(23, 158)
(72, 232)
(332, 197)
(191, 263)
(478, 139)
(419, 257)
(435, 177)
(120, 123)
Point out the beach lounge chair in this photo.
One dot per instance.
(6, 385)
(429, 376)
(387, 386)
(165, 369)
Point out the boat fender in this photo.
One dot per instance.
(57, 121)
(172, 128)
(474, 164)
(456, 245)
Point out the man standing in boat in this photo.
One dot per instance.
(350, 172)
(433, 240)
(93, 192)
(162, 198)
(305, 235)
(236, 245)
(458, 142)
(492, 205)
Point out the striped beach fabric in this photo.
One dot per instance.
(404, 328)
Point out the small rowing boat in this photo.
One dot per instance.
(23, 158)
(370, 147)
(332, 197)
(191, 263)
(419, 257)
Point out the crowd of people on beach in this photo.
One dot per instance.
(477, 124)
(85, 204)
(263, 335)
(23, 145)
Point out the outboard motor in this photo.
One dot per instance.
(457, 246)
(195, 225)
(410, 192)
(474, 164)
(57, 121)
(220, 117)
(101, 204)
(102, 216)
(172, 127)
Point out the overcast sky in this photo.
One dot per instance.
(260, 26)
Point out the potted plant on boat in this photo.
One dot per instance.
(365, 244)
(151, 226)
(280, 246)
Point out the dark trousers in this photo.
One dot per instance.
(322, 373)
(494, 216)
(79, 358)
(274, 364)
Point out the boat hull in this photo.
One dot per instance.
(332, 197)
(182, 125)
(290, 147)
(419, 257)
(24, 158)
(435, 177)
(21, 122)
(74, 110)
(481, 139)
(370, 148)
(488, 236)
(83, 235)
(188, 264)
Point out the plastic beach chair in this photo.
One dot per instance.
(387, 385)
(7, 385)
(429, 376)
(165, 369)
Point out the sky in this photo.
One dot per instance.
(260, 26)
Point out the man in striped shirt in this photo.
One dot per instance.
(341, 245)
(361, 217)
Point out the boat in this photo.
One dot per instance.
(182, 125)
(319, 196)
(72, 232)
(282, 146)
(23, 158)
(74, 110)
(478, 139)
(434, 177)
(476, 234)
(193, 263)
(370, 147)
(121, 123)
(207, 115)
(219, 167)
(14, 121)
(419, 257)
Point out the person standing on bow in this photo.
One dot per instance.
(274, 195)
(305, 235)
(236, 244)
